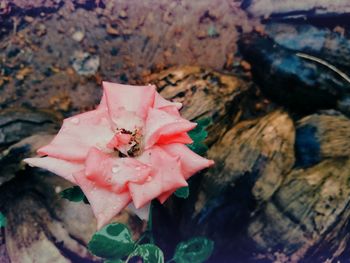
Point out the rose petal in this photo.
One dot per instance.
(121, 98)
(191, 163)
(105, 204)
(62, 168)
(160, 102)
(78, 134)
(163, 197)
(113, 172)
(142, 213)
(160, 123)
(165, 176)
(175, 138)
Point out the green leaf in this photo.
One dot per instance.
(3, 220)
(74, 194)
(113, 261)
(198, 135)
(195, 250)
(113, 242)
(198, 148)
(182, 192)
(149, 253)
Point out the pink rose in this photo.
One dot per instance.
(128, 151)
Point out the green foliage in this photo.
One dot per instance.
(198, 135)
(112, 242)
(74, 194)
(113, 261)
(182, 192)
(149, 253)
(195, 250)
(3, 220)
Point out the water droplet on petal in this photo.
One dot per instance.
(149, 178)
(75, 120)
(115, 169)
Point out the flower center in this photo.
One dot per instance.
(126, 143)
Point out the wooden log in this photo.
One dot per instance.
(264, 146)
(305, 218)
(322, 136)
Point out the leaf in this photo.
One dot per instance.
(112, 242)
(3, 220)
(195, 250)
(198, 135)
(182, 192)
(149, 253)
(74, 194)
(113, 261)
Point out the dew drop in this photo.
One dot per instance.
(149, 178)
(115, 169)
(75, 120)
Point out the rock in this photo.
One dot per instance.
(11, 158)
(78, 35)
(85, 64)
(288, 78)
(293, 9)
(40, 30)
(322, 136)
(17, 124)
(319, 42)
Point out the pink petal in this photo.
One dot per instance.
(142, 213)
(104, 203)
(163, 197)
(121, 98)
(78, 134)
(113, 172)
(191, 162)
(160, 123)
(103, 103)
(62, 168)
(160, 102)
(165, 176)
(176, 138)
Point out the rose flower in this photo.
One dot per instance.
(128, 151)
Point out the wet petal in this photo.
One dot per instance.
(112, 172)
(166, 175)
(78, 134)
(62, 168)
(160, 123)
(105, 204)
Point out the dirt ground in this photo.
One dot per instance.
(55, 54)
